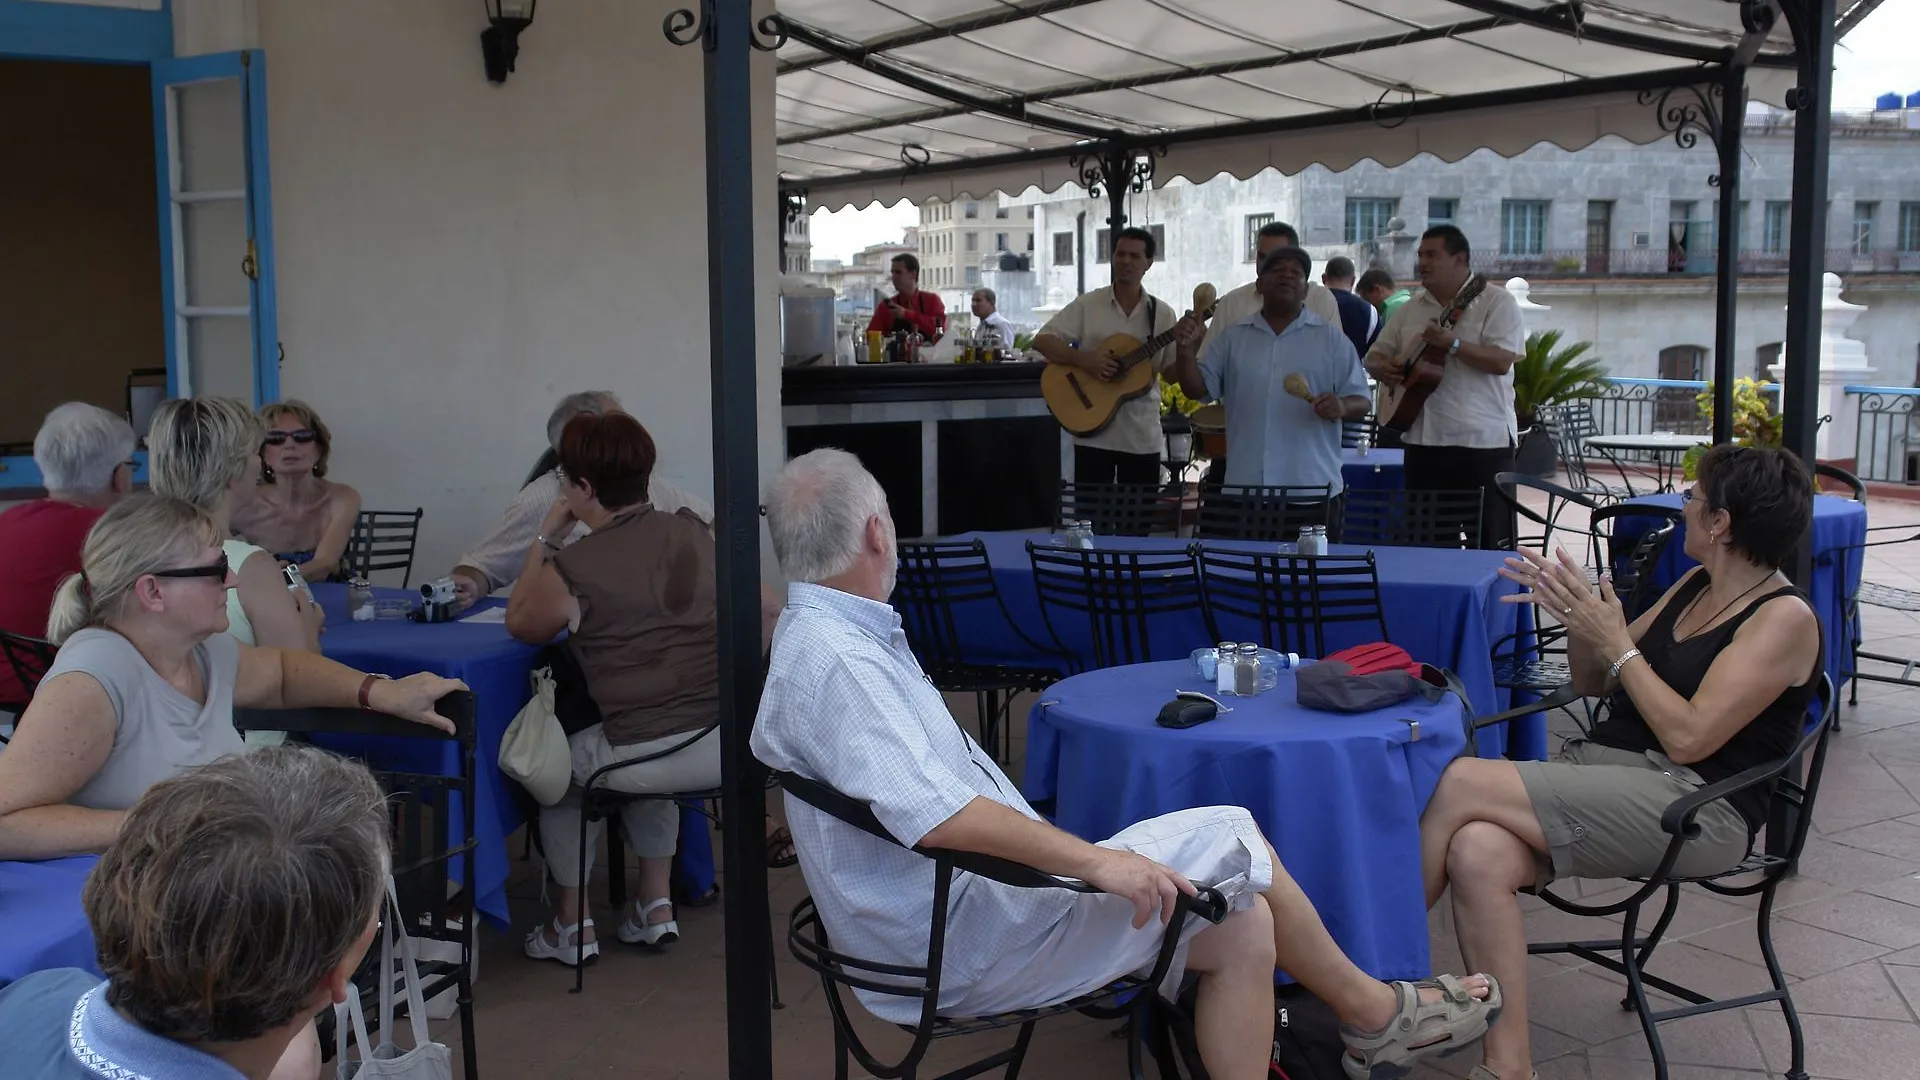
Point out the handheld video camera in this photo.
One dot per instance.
(437, 602)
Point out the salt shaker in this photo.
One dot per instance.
(360, 599)
(1083, 534)
(1225, 666)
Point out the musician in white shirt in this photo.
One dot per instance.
(1467, 432)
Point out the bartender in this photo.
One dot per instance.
(910, 309)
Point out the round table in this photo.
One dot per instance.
(1339, 795)
(1667, 448)
(45, 925)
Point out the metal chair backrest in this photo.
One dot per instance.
(1401, 518)
(934, 577)
(384, 540)
(1352, 431)
(1571, 423)
(1634, 580)
(1856, 490)
(1791, 798)
(1508, 484)
(28, 658)
(1290, 599)
(1245, 512)
(1118, 509)
(1117, 591)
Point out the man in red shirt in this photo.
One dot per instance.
(85, 455)
(910, 309)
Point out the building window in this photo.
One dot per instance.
(1684, 362)
(1523, 226)
(973, 210)
(1029, 240)
(1773, 240)
(1367, 218)
(1000, 212)
(973, 241)
(1063, 249)
(1863, 215)
(1159, 240)
(1000, 241)
(1254, 224)
(1910, 226)
(1764, 358)
(1441, 211)
(973, 275)
(1102, 244)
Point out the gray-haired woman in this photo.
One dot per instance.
(235, 904)
(203, 452)
(145, 682)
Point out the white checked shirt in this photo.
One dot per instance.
(847, 704)
(503, 551)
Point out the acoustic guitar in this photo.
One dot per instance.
(1422, 372)
(1084, 403)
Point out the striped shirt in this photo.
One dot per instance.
(847, 704)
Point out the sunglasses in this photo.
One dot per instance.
(278, 438)
(218, 570)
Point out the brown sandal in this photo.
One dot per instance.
(780, 853)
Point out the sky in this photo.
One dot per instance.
(1877, 57)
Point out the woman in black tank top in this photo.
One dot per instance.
(1714, 678)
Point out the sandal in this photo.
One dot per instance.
(664, 932)
(1420, 1028)
(563, 947)
(780, 853)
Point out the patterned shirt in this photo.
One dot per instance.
(847, 704)
(503, 551)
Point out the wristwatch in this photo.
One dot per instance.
(1453, 348)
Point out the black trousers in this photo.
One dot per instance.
(1462, 468)
(1092, 465)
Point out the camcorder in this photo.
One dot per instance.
(437, 602)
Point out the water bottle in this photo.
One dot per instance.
(1364, 443)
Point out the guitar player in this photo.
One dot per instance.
(1128, 450)
(1466, 434)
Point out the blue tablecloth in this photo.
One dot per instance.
(1338, 795)
(1839, 528)
(1442, 606)
(1373, 470)
(42, 925)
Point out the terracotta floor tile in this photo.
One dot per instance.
(1804, 951)
(1846, 1048)
(1905, 890)
(1862, 915)
(1717, 1039)
(1863, 990)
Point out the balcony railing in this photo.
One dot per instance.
(1886, 442)
(1658, 261)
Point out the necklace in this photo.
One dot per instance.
(1723, 609)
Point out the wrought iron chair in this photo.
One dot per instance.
(1401, 518)
(1117, 591)
(935, 579)
(1119, 509)
(1353, 431)
(1508, 485)
(1290, 599)
(422, 807)
(1131, 996)
(1572, 422)
(1242, 512)
(384, 540)
(29, 658)
(1790, 806)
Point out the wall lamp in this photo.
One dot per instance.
(500, 41)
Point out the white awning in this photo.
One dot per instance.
(880, 100)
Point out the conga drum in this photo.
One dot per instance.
(1210, 428)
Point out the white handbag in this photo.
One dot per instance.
(427, 1060)
(534, 750)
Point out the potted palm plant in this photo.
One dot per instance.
(1545, 376)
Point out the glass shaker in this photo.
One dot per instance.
(1226, 666)
(1246, 669)
(360, 598)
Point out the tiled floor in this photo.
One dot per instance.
(1848, 931)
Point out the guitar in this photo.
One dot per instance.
(1085, 403)
(1422, 373)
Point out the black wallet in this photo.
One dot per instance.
(1186, 712)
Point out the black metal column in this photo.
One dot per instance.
(1812, 23)
(726, 31)
(1726, 296)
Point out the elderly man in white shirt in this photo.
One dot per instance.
(846, 704)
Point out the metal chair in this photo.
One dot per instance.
(1119, 509)
(1290, 599)
(1117, 591)
(1246, 512)
(1508, 484)
(1570, 423)
(29, 658)
(1401, 518)
(1132, 996)
(1353, 432)
(935, 579)
(422, 806)
(384, 540)
(1790, 805)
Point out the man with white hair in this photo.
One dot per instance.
(85, 457)
(846, 704)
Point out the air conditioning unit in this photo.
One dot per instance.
(1642, 239)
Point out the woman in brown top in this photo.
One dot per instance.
(637, 594)
(1715, 678)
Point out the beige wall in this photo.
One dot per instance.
(453, 256)
(79, 239)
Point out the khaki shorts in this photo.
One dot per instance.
(1600, 808)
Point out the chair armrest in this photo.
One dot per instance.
(1677, 819)
(1563, 696)
(457, 706)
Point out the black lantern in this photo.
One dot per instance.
(500, 41)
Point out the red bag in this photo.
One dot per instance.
(1375, 657)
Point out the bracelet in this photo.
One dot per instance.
(1614, 671)
(366, 691)
(548, 544)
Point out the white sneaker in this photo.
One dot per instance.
(561, 946)
(650, 933)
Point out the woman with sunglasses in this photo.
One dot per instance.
(295, 512)
(1713, 679)
(146, 681)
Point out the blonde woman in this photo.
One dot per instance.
(202, 451)
(146, 681)
(295, 512)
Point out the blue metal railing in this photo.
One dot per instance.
(1886, 445)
